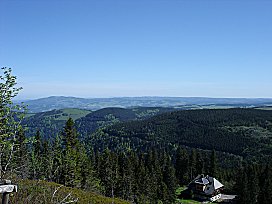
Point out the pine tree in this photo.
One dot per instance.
(265, 196)
(169, 179)
(46, 160)
(243, 188)
(57, 166)
(109, 172)
(182, 166)
(142, 182)
(21, 159)
(253, 184)
(213, 170)
(199, 163)
(36, 160)
(37, 146)
(69, 135)
(89, 180)
(127, 179)
(71, 155)
(193, 161)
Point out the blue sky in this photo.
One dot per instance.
(109, 48)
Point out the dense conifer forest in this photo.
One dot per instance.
(144, 161)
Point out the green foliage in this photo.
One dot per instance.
(10, 120)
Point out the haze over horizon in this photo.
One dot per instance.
(23, 98)
(94, 49)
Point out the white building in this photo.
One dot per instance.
(206, 188)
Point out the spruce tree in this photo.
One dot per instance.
(253, 184)
(213, 170)
(71, 155)
(193, 168)
(21, 158)
(243, 188)
(200, 163)
(169, 179)
(36, 159)
(182, 166)
(58, 160)
(265, 196)
(47, 160)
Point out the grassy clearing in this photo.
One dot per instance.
(264, 108)
(74, 113)
(184, 201)
(29, 115)
(180, 189)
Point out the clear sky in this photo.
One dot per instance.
(105, 48)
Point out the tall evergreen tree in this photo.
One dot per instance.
(182, 166)
(58, 159)
(71, 155)
(47, 160)
(21, 161)
(200, 167)
(36, 160)
(70, 135)
(243, 187)
(265, 196)
(193, 167)
(170, 181)
(253, 183)
(213, 170)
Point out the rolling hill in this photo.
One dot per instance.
(61, 102)
(50, 123)
(243, 132)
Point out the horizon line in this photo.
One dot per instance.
(147, 96)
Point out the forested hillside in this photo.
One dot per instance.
(51, 123)
(244, 132)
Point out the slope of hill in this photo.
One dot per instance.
(244, 132)
(109, 116)
(42, 192)
(60, 102)
(50, 123)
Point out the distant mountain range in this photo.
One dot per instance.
(61, 102)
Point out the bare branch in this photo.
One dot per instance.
(56, 190)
